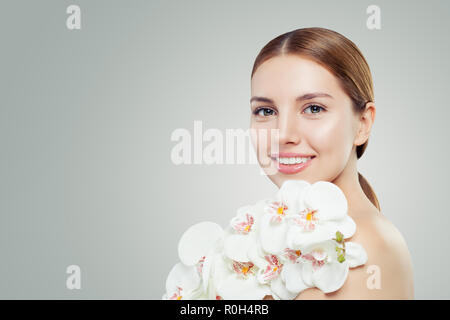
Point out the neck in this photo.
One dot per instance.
(358, 204)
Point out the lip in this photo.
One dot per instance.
(290, 155)
(292, 168)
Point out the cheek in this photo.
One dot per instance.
(332, 138)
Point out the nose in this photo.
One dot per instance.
(289, 129)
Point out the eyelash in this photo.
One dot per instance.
(257, 110)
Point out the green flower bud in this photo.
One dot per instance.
(341, 258)
(339, 236)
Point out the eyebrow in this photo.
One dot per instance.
(306, 96)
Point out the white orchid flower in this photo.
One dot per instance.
(275, 222)
(183, 282)
(241, 234)
(215, 272)
(242, 282)
(269, 268)
(323, 211)
(197, 250)
(323, 265)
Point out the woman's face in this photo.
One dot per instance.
(319, 129)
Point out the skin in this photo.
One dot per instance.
(329, 129)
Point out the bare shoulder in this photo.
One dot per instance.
(388, 272)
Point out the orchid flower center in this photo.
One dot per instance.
(243, 225)
(310, 215)
(278, 211)
(318, 257)
(243, 268)
(177, 295)
(307, 219)
(200, 264)
(273, 269)
(292, 254)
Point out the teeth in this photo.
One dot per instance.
(294, 160)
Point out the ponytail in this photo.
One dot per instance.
(368, 191)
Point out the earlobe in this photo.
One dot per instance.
(360, 138)
(367, 118)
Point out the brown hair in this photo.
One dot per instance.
(342, 58)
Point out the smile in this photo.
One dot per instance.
(291, 165)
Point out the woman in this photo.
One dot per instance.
(315, 87)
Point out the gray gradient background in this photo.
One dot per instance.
(86, 118)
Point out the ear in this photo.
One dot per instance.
(366, 120)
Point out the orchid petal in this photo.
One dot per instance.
(331, 276)
(221, 269)
(290, 193)
(292, 275)
(279, 288)
(256, 209)
(297, 238)
(206, 271)
(256, 255)
(272, 235)
(237, 288)
(355, 254)
(307, 271)
(328, 199)
(197, 241)
(236, 246)
(346, 226)
(182, 276)
(260, 206)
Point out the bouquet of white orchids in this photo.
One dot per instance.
(278, 246)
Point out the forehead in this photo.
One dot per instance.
(287, 76)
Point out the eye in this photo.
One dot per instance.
(314, 108)
(266, 112)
